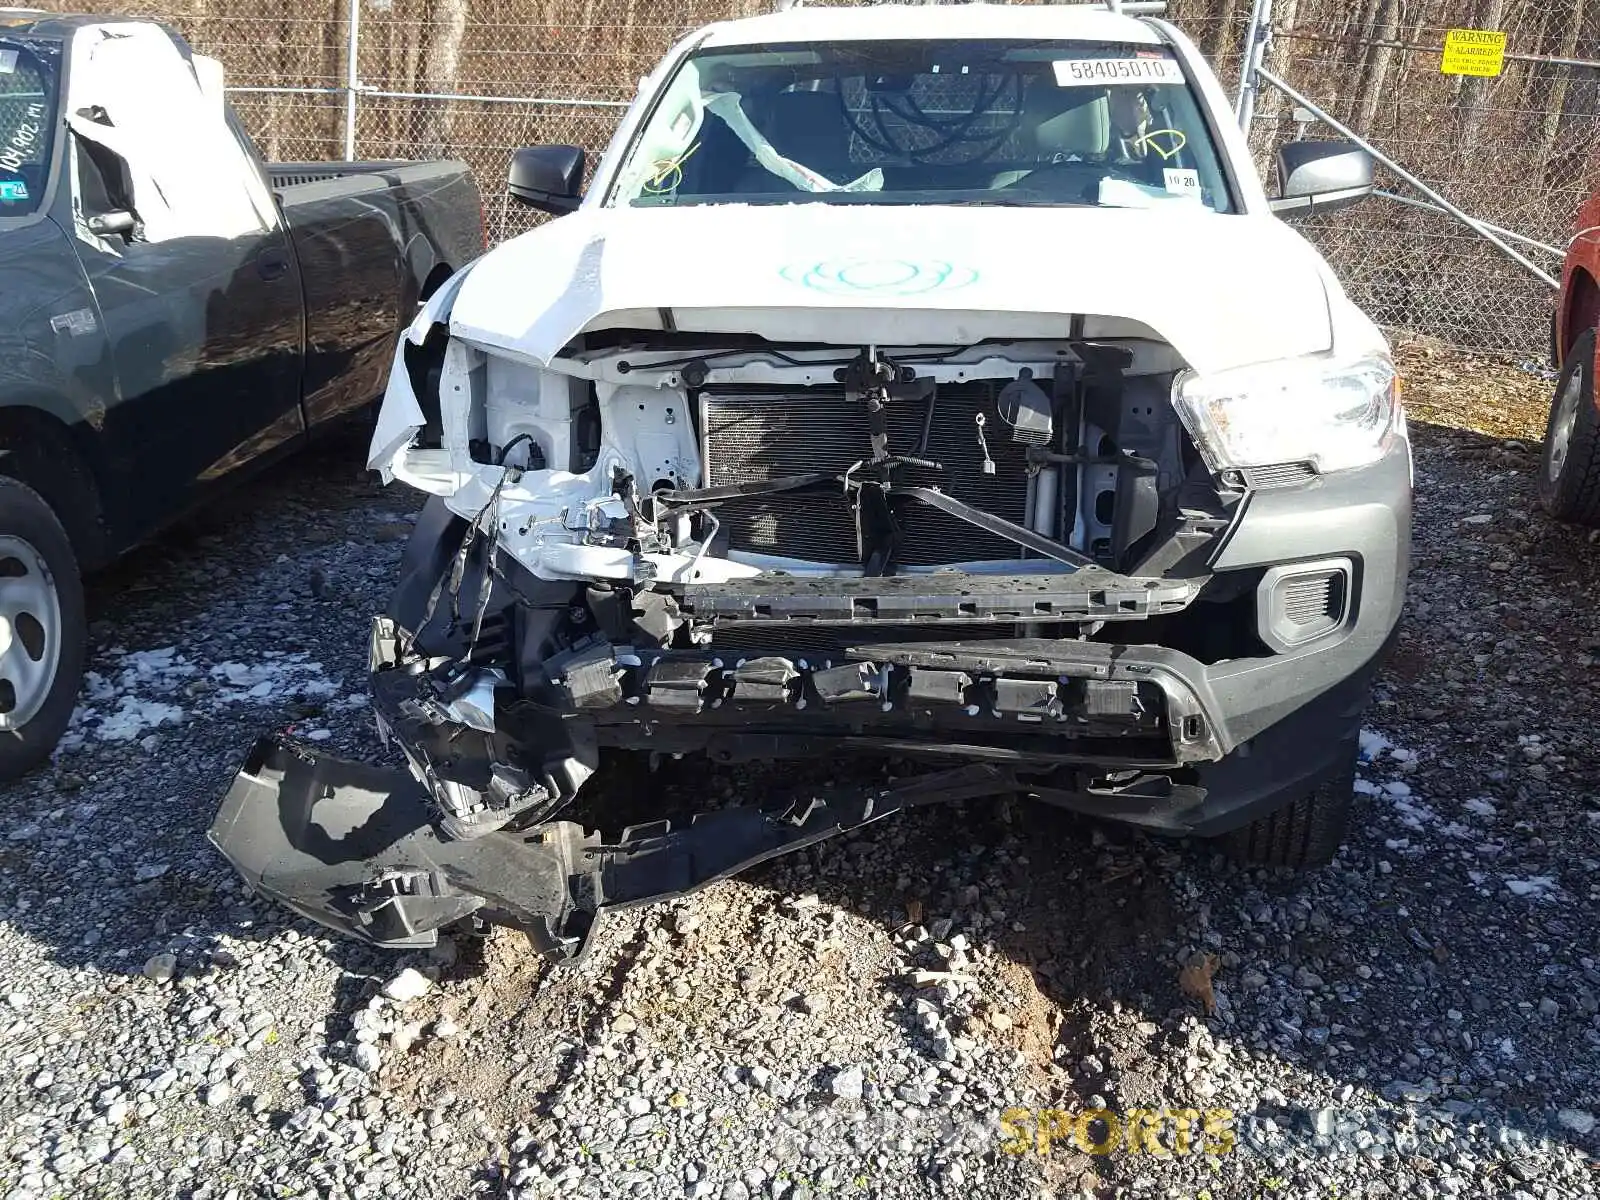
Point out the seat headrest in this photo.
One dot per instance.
(1085, 130)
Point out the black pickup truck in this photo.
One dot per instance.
(173, 313)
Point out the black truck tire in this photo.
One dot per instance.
(1569, 471)
(1306, 833)
(44, 635)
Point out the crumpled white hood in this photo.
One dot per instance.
(1225, 291)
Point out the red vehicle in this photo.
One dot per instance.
(1569, 476)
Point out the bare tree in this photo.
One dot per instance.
(1556, 102)
(1225, 12)
(1375, 70)
(1475, 91)
(1356, 52)
(441, 73)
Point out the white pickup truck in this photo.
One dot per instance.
(936, 382)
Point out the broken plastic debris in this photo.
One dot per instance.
(474, 707)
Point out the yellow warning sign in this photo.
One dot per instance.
(1474, 52)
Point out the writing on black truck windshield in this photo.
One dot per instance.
(27, 103)
(970, 122)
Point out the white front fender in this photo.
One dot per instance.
(400, 415)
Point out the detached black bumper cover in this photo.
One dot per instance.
(353, 847)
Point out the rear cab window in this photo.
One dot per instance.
(29, 72)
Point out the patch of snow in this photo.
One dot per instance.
(1374, 745)
(138, 686)
(273, 676)
(140, 690)
(133, 716)
(1478, 806)
(1413, 815)
(164, 666)
(1537, 886)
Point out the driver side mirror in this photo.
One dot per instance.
(549, 178)
(1321, 176)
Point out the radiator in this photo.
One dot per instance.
(760, 434)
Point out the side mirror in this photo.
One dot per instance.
(112, 224)
(1321, 176)
(549, 178)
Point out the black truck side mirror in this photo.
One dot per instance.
(112, 224)
(549, 178)
(1321, 176)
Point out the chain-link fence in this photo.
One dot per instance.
(476, 79)
(1521, 151)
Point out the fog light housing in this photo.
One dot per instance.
(1298, 604)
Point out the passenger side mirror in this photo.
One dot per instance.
(1321, 176)
(549, 178)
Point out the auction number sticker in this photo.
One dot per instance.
(1101, 72)
(1182, 181)
(8, 62)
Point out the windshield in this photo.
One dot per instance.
(28, 72)
(951, 122)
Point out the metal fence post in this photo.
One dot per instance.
(352, 78)
(1255, 52)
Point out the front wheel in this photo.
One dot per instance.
(1569, 473)
(43, 632)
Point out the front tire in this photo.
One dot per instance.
(1569, 471)
(1306, 833)
(44, 636)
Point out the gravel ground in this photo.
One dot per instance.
(889, 1015)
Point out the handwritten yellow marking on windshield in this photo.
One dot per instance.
(669, 168)
(1180, 140)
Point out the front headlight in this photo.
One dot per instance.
(1331, 415)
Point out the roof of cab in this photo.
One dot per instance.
(884, 22)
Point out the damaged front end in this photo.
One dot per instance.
(999, 560)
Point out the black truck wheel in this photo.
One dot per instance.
(1306, 833)
(43, 633)
(1569, 473)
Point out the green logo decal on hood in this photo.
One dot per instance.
(880, 276)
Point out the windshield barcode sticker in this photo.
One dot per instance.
(1100, 72)
(8, 62)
